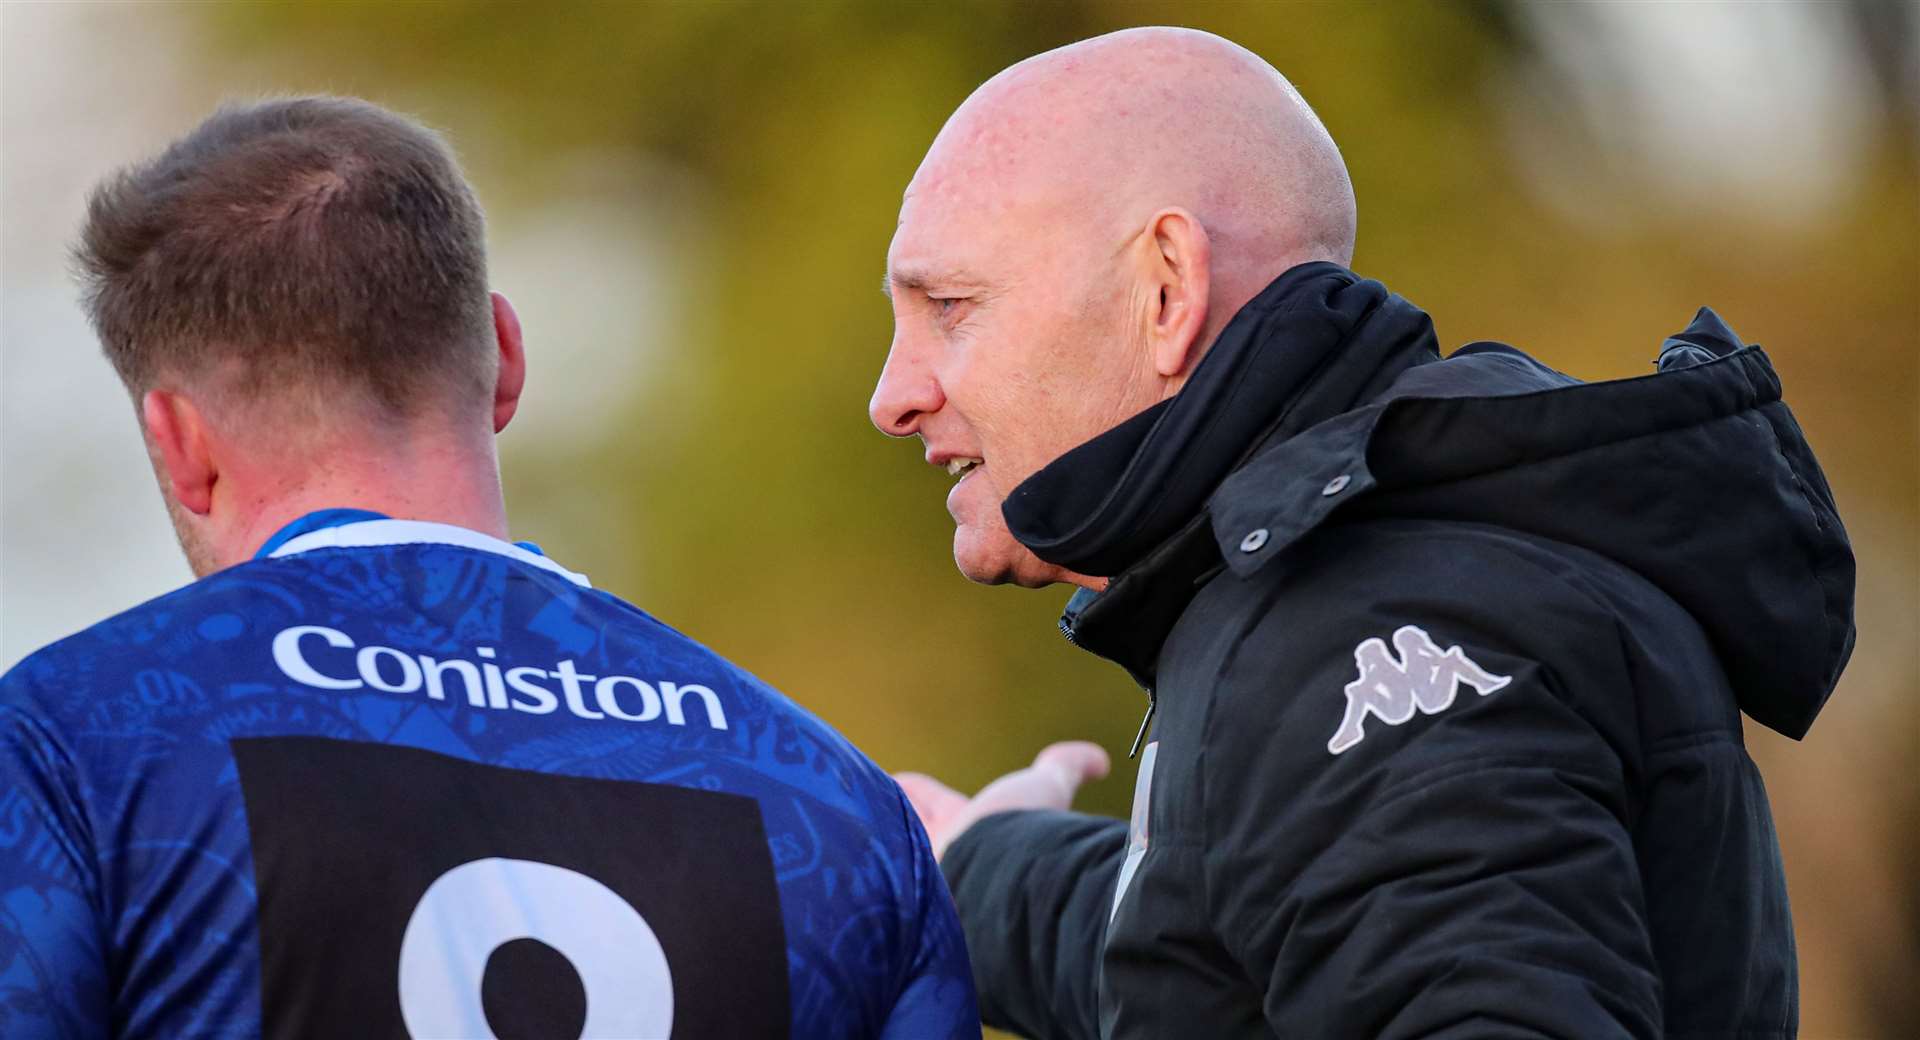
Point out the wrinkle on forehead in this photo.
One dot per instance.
(1109, 130)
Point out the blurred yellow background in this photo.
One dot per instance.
(690, 205)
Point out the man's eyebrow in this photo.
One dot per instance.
(923, 280)
(904, 279)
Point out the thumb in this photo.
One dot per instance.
(1071, 763)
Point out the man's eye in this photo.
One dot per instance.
(944, 306)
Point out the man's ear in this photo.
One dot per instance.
(513, 363)
(183, 444)
(1179, 262)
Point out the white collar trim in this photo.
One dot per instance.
(366, 533)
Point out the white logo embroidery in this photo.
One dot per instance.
(1425, 677)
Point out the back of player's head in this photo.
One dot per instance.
(314, 244)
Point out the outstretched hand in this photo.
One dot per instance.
(1049, 783)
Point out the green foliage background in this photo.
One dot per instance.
(751, 505)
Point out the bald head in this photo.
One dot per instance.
(1080, 231)
(1107, 130)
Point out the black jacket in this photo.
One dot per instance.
(1448, 659)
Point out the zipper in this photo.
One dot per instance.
(1146, 722)
(1066, 629)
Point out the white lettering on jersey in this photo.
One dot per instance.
(1425, 678)
(485, 684)
(286, 654)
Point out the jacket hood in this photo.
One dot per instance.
(1696, 477)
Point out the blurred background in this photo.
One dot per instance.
(690, 205)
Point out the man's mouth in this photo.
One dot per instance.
(960, 467)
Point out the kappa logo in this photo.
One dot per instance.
(1425, 678)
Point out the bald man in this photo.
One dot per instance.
(1445, 659)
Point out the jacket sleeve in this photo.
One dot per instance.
(53, 975)
(1033, 889)
(937, 999)
(1464, 872)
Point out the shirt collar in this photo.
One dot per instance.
(315, 521)
(362, 528)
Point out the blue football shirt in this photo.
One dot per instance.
(394, 778)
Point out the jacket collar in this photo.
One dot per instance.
(1132, 502)
(1314, 343)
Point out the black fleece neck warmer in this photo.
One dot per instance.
(1315, 343)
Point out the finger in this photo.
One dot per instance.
(1072, 762)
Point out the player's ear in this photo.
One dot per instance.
(183, 448)
(513, 363)
(1177, 258)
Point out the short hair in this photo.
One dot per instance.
(293, 242)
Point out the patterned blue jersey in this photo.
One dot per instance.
(403, 779)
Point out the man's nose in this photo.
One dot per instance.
(907, 392)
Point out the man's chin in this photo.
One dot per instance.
(1001, 561)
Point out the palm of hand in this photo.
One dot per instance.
(1049, 783)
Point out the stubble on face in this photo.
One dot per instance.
(1037, 360)
(1045, 377)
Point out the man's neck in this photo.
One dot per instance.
(462, 490)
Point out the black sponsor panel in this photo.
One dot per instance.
(538, 904)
